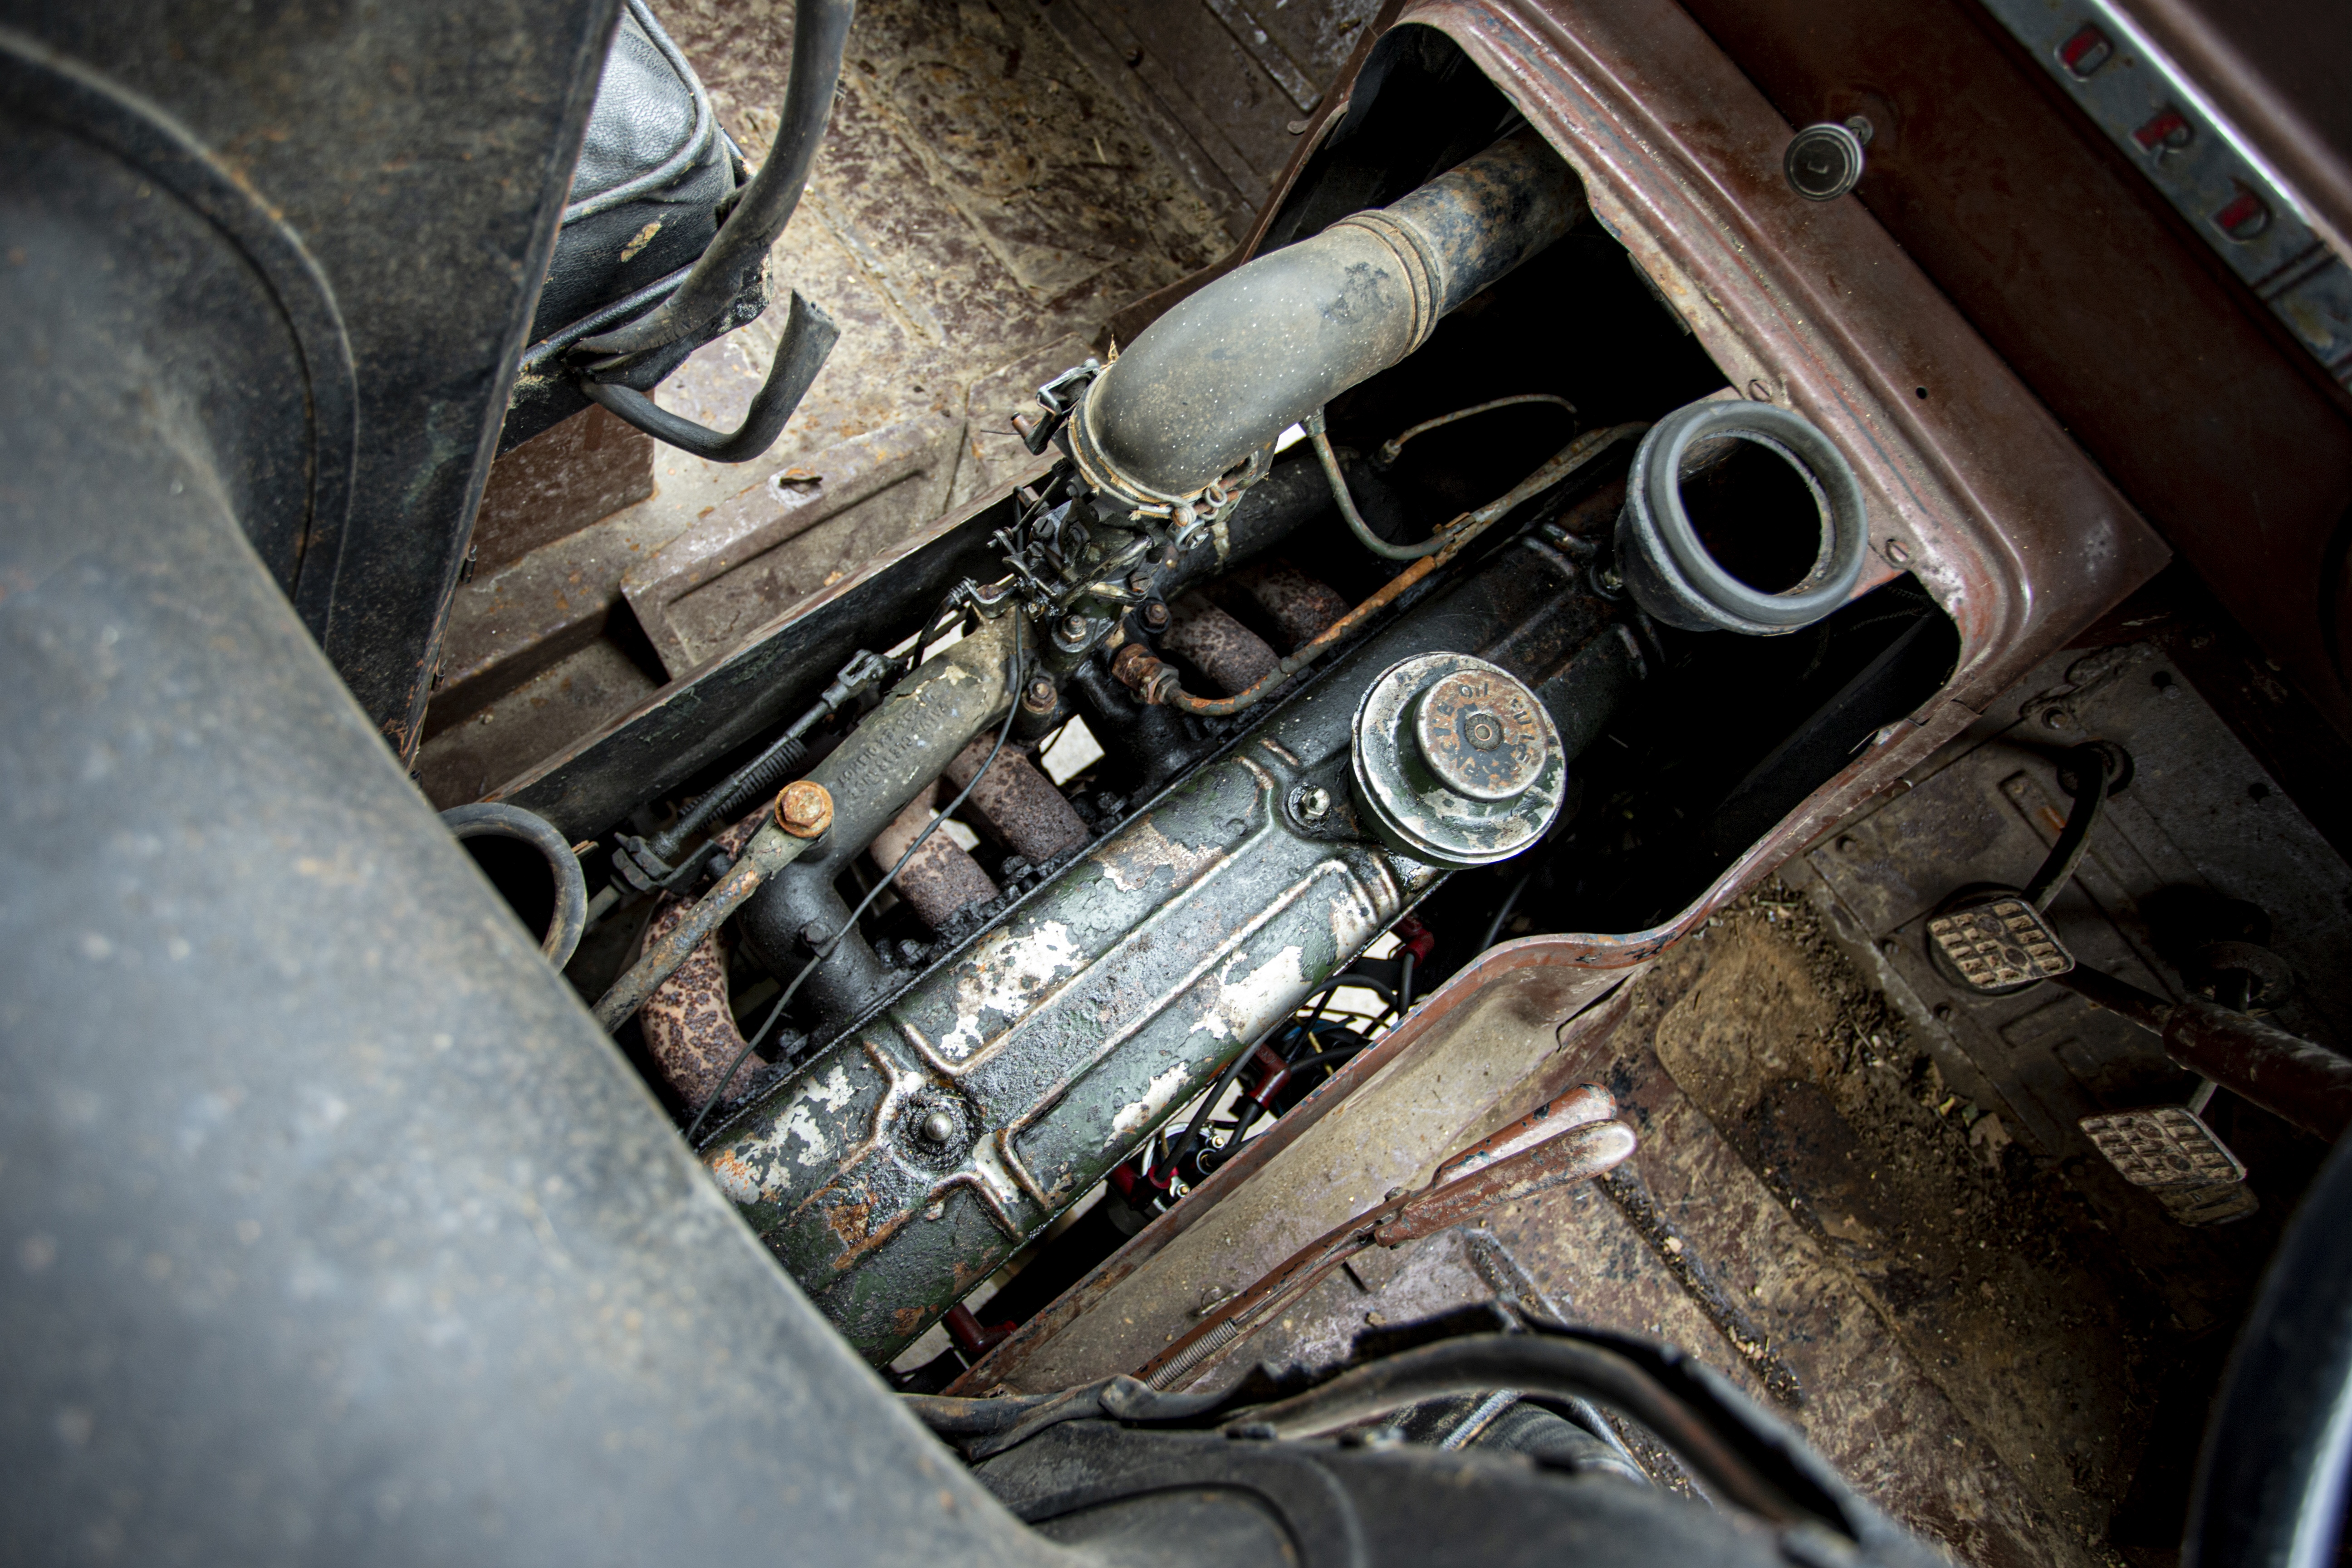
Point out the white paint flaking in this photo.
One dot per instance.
(1004, 974)
(833, 1091)
(1142, 851)
(1244, 1006)
(1158, 1096)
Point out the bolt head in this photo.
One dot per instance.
(937, 1127)
(1155, 616)
(1040, 697)
(1315, 803)
(1141, 581)
(1074, 627)
(805, 810)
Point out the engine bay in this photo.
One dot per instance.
(902, 1095)
(1530, 864)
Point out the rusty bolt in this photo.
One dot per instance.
(1075, 628)
(804, 809)
(1155, 616)
(1040, 697)
(1139, 580)
(1134, 666)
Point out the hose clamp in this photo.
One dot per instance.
(1414, 258)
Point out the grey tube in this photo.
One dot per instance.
(892, 756)
(1228, 369)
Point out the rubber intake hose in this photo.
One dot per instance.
(1669, 569)
(493, 819)
(1226, 370)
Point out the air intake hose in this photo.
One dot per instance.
(1225, 371)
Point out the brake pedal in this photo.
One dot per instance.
(1998, 944)
(2169, 1150)
(2001, 943)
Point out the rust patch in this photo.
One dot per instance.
(1018, 805)
(850, 1223)
(940, 878)
(1301, 607)
(688, 1024)
(1232, 657)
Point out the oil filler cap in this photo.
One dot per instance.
(1456, 762)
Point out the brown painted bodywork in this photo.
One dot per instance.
(2174, 377)
(1974, 488)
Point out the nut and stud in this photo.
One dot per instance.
(1155, 616)
(1314, 803)
(936, 1127)
(804, 809)
(1075, 628)
(1041, 696)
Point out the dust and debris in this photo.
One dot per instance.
(1984, 1261)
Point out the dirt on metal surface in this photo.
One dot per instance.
(1985, 1267)
(980, 207)
(689, 1029)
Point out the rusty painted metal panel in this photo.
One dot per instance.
(1060, 1039)
(2102, 300)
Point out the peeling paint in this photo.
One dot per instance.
(1244, 1006)
(800, 1125)
(1142, 852)
(1159, 1095)
(1004, 974)
(734, 1176)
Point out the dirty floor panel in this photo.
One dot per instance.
(1872, 1254)
(981, 206)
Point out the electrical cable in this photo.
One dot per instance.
(1333, 1055)
(1380, 988)
(1208, 1106)
(1003, 733)
(1404, 983)
(1395, 444)
(1510, 902)
(1199, 1122)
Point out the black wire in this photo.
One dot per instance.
(1208, 1106)
(1382, 988)
(1225, 1081)
(1334, 1055)
(1004, 732)
(1404, 983)
(1510, 902)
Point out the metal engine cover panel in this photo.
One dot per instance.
(1063, 1037)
